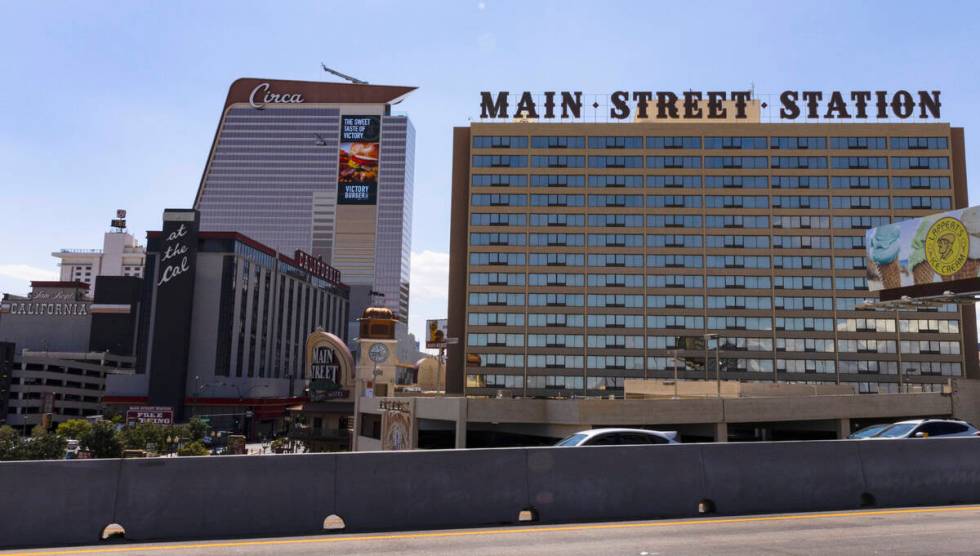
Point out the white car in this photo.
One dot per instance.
(619, 437)
(927, 428)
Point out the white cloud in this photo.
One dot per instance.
(27, 273)
(430, 275)
(429, 290)
(16, 278)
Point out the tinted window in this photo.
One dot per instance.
(635, 438)
(941, 428)
(610, 439)
(896, 431)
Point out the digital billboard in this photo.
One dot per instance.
(939, 248)
(435, 333)
(357, 178)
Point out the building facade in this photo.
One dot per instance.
(225, 322)
(324, 168)
(586, 254)
(121, 255)
(65, 344)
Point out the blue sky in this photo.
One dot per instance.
(114, 104)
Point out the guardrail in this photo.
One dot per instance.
(72, 502)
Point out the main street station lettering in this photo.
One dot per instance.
(664, 105)
(262, 94)
(325, 366)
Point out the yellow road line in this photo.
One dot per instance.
(488, 532)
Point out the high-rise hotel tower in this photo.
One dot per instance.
(323, 168)
(583, 254)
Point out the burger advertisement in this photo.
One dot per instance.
(357, 178)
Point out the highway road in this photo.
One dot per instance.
(940, 530)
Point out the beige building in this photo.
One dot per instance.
(121, 255)
(587, 254)
(741, 413)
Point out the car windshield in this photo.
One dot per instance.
(896, 431)
(573, 440)
(868, 432)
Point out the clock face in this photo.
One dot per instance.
(378, 353)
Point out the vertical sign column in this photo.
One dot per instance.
(174, 307)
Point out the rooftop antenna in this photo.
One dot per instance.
(353, 80)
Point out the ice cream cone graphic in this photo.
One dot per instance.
(971, 268)
(922, 271)
(884, 255)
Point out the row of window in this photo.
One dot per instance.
(666, 281)
(798, 324)
(694, 221)
(843, 325)
(711, 142)
(675, 240)
(805, 345)
(725, 182)
(667, 261)
(715, 201)
(743, 162)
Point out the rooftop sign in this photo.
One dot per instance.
(716, 105)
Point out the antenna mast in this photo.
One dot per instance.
(353, 80)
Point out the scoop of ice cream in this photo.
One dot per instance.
(884, 245)
(971, 219)
(917, 249)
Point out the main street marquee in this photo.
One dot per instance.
(662, 105)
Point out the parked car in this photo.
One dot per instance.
(619, 437)
(927, 428)
(868, 432)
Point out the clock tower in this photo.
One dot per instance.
(377, 362)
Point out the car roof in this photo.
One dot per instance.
(595, 432)
(920, 421)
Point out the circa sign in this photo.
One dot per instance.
(262, 94)
(663, 105)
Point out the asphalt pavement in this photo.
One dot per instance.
(945, 530)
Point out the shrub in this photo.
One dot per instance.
(195, 448)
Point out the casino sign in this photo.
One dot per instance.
(329, 367)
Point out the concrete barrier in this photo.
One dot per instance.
(225, 496)
(56, 502)
(431, 489)
(70, 502)
(922, 472)
(615, 482)
(774, 477)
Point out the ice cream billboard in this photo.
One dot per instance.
(435, 333)
(940, 247)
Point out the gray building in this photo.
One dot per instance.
(226, 323)
(65, 344)
(325, 168)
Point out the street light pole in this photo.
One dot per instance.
(707, 337)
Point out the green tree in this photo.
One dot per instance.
(197, 428)
(45, 445)
(141, 435)
(74, 428)
(11, 444)
(195, 448)
(102, 440)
